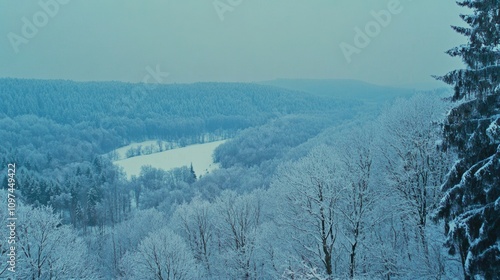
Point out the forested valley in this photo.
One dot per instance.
(308, 184)
(314, 183)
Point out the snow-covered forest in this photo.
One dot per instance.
(313, 183)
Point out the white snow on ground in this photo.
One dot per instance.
(200, 155)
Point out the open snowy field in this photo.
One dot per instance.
(200, 155)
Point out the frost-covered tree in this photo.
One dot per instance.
(237, 219)
(356, 152)
(157, 186)
(161, 255)
(308, 191)
(415, 166)
(49, 250)
(195, 223)
(110, 247)
(471, 204)
(305, 273)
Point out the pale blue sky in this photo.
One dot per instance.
(257, 40)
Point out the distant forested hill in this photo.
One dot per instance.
(70, 102)
(57, 131)
(69, 121)
(342, 89)
(139, 111)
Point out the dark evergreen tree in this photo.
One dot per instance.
(471, 204)
(192, 179)
(481, 54)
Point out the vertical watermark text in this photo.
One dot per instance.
(11, 217)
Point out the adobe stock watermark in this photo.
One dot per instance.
(31, 26)
(222, 7)
(363, 37)
(148, 83)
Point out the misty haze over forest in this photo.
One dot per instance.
(234, 139)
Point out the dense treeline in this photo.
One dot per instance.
(298, 196)
(137, 112)
(56, 130)
(270, 141)
(350, 201)
(68, 121)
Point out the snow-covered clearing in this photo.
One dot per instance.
(200, 155)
